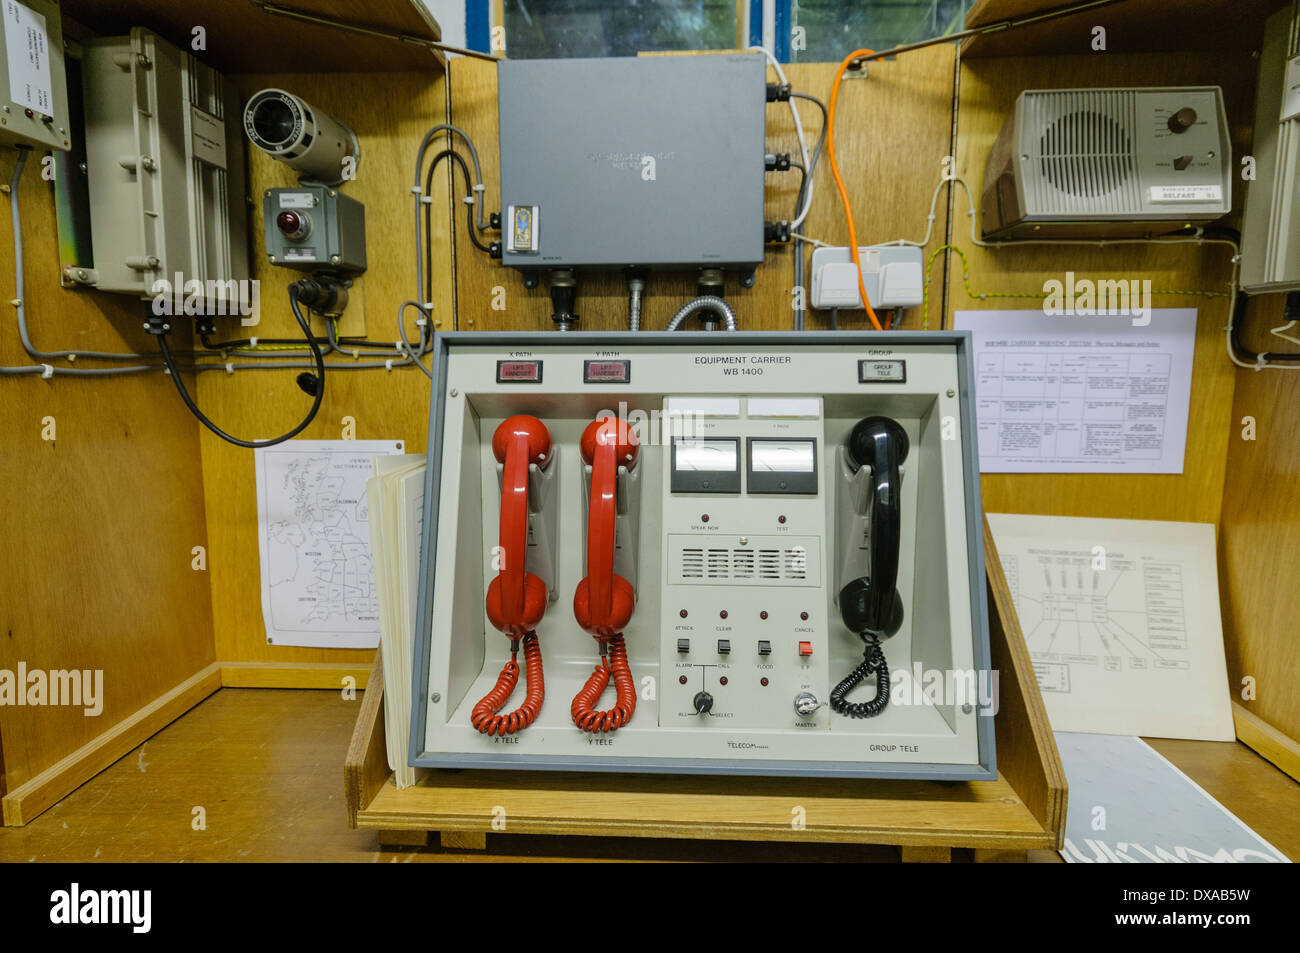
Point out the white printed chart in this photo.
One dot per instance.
(1067, 394)
(1121, 619)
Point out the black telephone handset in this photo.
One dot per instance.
(870, 605)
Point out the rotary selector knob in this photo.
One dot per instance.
(1182, 120)
(805, 703)
(703, 703)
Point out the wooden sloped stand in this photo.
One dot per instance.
(1024, 809)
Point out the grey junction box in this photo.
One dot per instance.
(650, 161)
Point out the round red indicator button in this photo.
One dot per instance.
(293, 225)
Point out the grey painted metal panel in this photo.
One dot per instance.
(961, 340)
(670, 176)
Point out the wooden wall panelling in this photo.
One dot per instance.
(988, 89)
(390, 113)
(1259, 542)
(897, 119)
(99, 522)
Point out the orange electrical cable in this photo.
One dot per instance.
(839, 183)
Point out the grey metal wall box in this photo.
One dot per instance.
(650, 161)
(335, 238)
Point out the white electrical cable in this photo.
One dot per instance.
(1281, 332)
(798, 129)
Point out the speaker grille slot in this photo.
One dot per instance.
(780, 561)
(1081, 146)
(691, 564)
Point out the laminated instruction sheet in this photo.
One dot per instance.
(1081, 393)
(1129, 805)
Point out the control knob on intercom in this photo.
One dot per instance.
(805, 703)
(703, 703)
(1182, 120)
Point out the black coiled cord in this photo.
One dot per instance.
(873, 661)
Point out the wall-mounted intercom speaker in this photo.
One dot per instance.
(33, 85)
(164, 166)
(1108, 162)
(1270, 250)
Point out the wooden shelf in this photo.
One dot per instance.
(247, 36)
(1132, 26)
(1024, 809)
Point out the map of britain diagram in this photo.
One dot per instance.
(318, 543)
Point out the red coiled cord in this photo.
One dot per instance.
(484, 717)
(584, 715)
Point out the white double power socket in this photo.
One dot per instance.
(891, 274)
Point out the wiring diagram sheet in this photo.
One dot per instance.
(1121, 618)
(318, 581)
(1081, 393)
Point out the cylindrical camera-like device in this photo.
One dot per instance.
(321, 148)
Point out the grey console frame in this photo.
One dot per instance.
(986, 769)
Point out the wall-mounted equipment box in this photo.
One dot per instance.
(315, 228)
(33, 84)
(652, 161)
(1108, 162)
(1270, 248)
(764, 499)
(165, 167)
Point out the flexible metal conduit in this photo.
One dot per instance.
(705, 303)
(635, 286)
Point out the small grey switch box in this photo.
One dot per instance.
(314, 228)
(33, 83)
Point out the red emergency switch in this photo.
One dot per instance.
(295, 226)
(805, 649)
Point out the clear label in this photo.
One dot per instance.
(1186, 193)
(208, 136)
(296, 200)
(27, 49)
(892, 372)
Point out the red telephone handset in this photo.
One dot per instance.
(516, 599)
(604, 600)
